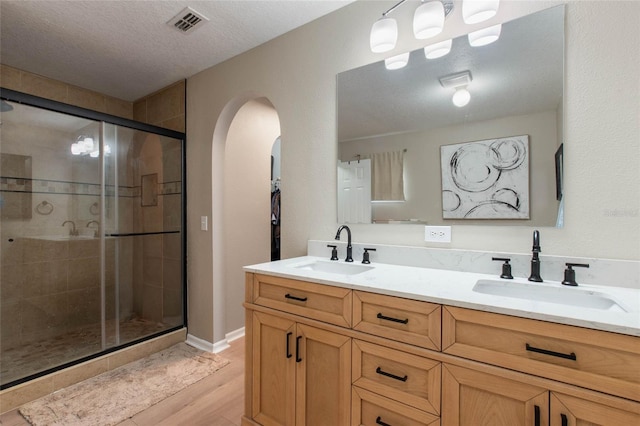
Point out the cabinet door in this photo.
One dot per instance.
(323, 377)
(572, 411)
(273, 370)
(473, 398)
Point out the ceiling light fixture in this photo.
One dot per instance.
(485, 36)
(459, 82)
(474, 11)
(397, 62)
(428, 21)
(437, 50)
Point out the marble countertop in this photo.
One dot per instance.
(456, 289)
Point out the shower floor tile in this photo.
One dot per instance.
(32, 358)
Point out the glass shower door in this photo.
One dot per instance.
(91, 235)
(143, 233)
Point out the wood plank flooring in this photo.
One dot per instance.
(217, 400)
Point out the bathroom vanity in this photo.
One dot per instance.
(382, 344)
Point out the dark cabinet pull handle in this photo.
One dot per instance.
(393, 376)
(298, 359)
(299, 299)
(565, 420)
(289, 355)
(380, 422)
(571, 356)
(537, 415)
(403, 321)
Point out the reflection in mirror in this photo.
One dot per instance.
(516, 89)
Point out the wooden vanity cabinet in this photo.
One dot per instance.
(324, 355)
(557, 357)
(299, 374)
(475, 397)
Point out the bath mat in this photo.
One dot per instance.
(119, 394)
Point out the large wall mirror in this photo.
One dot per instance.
(516, 87)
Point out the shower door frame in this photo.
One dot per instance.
(60, 107)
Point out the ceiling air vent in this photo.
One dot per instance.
(187, 20)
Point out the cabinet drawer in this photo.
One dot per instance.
(397, 375)
(370, 409)
(408, 321)
(317, 301)
(599, 360)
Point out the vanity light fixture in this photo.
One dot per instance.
(82, 145)
(397, 62)
(384, 34)
(428, 21)
(485, 36)
(474, 11)
(459, 82)
(85, 145)
(437, 50)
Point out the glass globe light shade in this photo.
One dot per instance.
(485, 36)
(437, 50)
(75, 149)
(461, 97)
(474, 11)
(428, 20)
(88, 144)
(384, 34)
(397, 62)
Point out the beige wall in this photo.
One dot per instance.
(296, 72)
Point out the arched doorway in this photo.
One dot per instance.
(241, 233)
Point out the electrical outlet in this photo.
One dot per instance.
(437, 234)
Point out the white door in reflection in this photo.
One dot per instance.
(354, 191)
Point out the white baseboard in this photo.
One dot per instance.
(198, 343)
(217, 346)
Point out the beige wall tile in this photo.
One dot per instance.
(152, 303)
(44, 87)
(17, 395)
(176, 123)
(166, 104)
(86, 99)
(140, 110)
(152, 271)
(80, 372)
(10, 78)
(118, 107)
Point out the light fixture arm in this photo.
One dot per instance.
(392, 8)
(448, 7)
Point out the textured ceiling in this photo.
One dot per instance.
(126, 50)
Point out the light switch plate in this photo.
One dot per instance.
(204, 223)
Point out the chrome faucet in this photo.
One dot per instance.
(349, 248)
(95, 233)
(73, 231)
(535, 261)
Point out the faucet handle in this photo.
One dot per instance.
(365, 255)
(334, 251)
(506, 267)
(570, 274)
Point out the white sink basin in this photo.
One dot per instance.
(550, 293)
(335, 267)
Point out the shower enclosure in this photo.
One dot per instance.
(92, 235)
